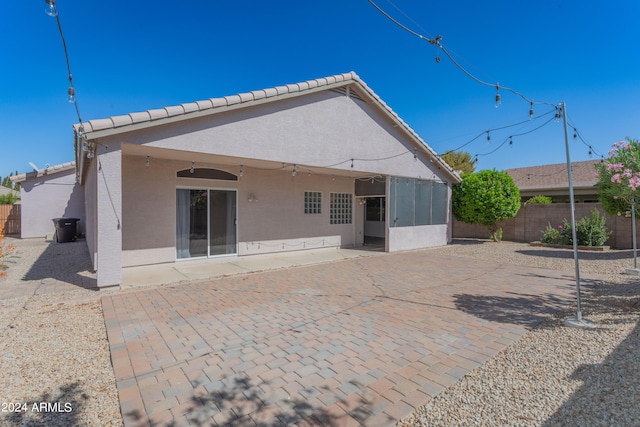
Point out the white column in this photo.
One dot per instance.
(109, 215)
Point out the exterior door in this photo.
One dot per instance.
(205, 223)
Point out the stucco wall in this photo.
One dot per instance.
(424, 236)
(315, 130)
(47, 197)
(275, 222)
(319, 132)
(91, 206)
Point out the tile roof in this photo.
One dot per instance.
(49, 170)
(555, 175)
(133, 121)
(116, 122)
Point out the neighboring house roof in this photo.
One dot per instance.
(5, 190)
(342, 82)
(50, 170)
(555, 177)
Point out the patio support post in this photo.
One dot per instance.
(578, 321)
(109, 215)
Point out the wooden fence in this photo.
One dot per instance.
(528, 224)
(10, 219)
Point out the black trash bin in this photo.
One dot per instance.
(66, 229)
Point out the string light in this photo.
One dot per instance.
(295, 171)
(488, 135)
(531, 111)
(72, 95)
(241, 169)
(147, 162)
(192, 169)
(50, 8)
(498, 98)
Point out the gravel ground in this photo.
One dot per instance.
(54, 349)
(553, 375)
(53, 343)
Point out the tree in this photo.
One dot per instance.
(619, 177)
(459, 161)
(6, 182)
(486, 197)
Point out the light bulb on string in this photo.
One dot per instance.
(510, 140)
(193, 163)
(488, 137)
(531, 111)
(71, 95)
(557, 117)
(241, 169)
(50, 8)
(295, 171)
(147, 162)
(575, 134)
(498, 98)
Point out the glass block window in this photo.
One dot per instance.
(341, 208)
(312, 202)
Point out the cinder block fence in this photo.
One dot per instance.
(528, 224)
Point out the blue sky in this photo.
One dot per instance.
(139, 55)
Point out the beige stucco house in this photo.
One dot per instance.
(319, 164)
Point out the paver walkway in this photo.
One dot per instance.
(363, 341)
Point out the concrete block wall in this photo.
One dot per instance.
(531, 220)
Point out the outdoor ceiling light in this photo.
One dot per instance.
(50, 8)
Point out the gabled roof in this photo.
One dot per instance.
(555, 176)
(136, 121)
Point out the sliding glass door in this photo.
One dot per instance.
(205, 223)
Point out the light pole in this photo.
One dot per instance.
(634, 271)
(577, 321)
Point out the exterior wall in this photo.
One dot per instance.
(319, 129)
(109, 215)
(528, 224)
(91, 203)
(424, 236)
(312, 131)
(47, 197)
(275, 222)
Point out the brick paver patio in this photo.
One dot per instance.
(358, 342)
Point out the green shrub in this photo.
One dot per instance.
(539, 200)
(9, 198)
(553, 236)
(590, 231)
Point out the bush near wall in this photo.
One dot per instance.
(539, 200)
(531, 219)
(590, 231)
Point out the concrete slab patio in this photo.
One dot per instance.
(362, 341)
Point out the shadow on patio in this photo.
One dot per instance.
(522, 308)
(242, 402)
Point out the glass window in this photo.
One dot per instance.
(312, 202)
(341, 206)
